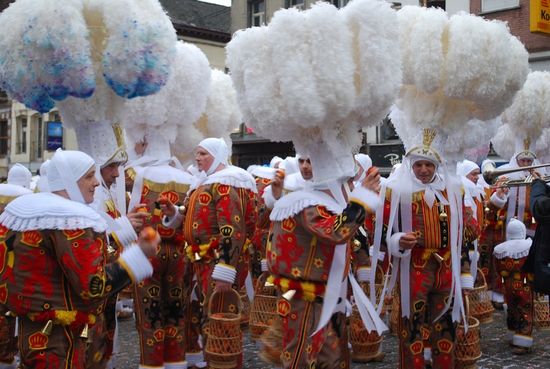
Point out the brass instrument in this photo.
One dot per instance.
(491, 174)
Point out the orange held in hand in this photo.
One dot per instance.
(371, 169)
(142, 209)
(149, 234)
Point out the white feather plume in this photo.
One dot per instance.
(51, 50)
(529, 114)
(455, 78)
(177, 106)
(319, 89)
(220, 117)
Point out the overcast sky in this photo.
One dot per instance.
(221, 2)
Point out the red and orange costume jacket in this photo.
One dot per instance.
(307, 225)
(259, 240)
(51, 273)
(152, 191)
(220, 220)
(431, 227)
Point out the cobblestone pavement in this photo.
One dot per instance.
(496, 353)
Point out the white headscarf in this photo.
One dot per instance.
(290, 165)
(218, 149)
(43, 180)
(365, 162)
(472, 189)
(64, 171)
(20, 176)
(275, 160)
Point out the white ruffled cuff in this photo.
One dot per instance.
(136, 264)
(395, 250)
(363, 274)
(466, 281)
(370, 200)
(497, 201)
(522, 341)
(381, 254)
(268, 197)
(193, 358)
(172, 222)
(125, 234)
(177, 365)
(224, 272)
(263, 265)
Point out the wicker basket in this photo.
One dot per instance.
(394, 311)
(264, 308)
(365, 345)
(224, 343)
(481, 306)
(468, 349)
(272, 343)
(542, 313)
(245, 303)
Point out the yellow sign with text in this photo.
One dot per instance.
(540, 16)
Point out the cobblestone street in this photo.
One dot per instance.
(496, 353)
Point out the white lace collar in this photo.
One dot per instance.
(232, 176)
(515, 249)
(49, 211)
(293, 203)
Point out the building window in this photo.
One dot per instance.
(257, 13)
(4, 138)
(22, 135)
(295, 4)
(339, 3)
(387, 131)
(433, 3)
(39, 137)
(488, 6)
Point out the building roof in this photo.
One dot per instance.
(197, 14)
(191, 18)
(4, 4)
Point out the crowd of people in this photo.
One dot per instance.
(212, 234)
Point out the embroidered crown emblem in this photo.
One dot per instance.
(288, 224)
(204, 198)
(154, 291)
(283, 308)
(172, 196)
(171, 331)
(38, 341)
(159, 335)
(31, 238)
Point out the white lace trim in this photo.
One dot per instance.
(515, 249)
(293, 203)
(10, 190)
(234, 177)
(50, 211)
(20, 224)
